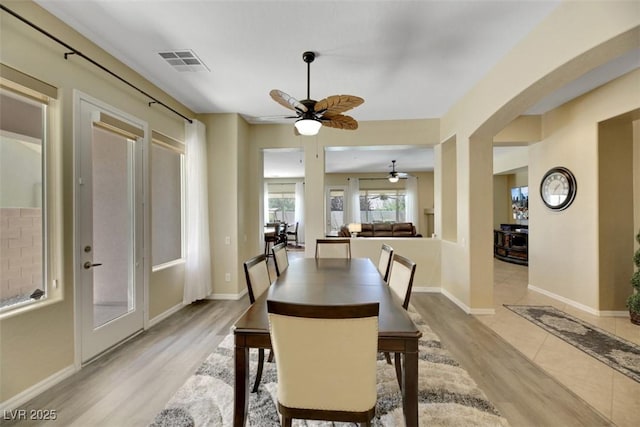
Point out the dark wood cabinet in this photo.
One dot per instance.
(511, 243)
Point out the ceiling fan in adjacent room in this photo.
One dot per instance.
(311, 115)
(394, 175)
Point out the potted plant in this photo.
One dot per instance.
(633, 302)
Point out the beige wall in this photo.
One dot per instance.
(37, 344)
(564, 247)
(543, 61)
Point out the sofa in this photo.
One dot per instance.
(383, 229)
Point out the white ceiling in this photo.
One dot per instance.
(407, 59)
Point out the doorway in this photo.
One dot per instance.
(109, 224)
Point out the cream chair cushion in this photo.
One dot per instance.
(281, 259)
(259, 277)
(383, 261)
(399, 279)
(318, 360)
(333, 250)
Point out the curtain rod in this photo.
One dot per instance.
(82, 55)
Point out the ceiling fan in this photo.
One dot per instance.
(311, 114)
(394, 175)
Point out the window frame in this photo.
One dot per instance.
(30, 90)
(398, 192)
(177, 147)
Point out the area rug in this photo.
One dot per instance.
(619, 354)
(447, 394)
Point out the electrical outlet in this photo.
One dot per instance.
(227, 277)
(227, 240)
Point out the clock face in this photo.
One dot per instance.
(558, 188)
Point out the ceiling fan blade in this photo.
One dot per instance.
(287, 101)
(272, 118)
(339, 121)
(336, 104)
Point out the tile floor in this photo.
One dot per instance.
(611, 393)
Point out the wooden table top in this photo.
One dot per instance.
(332, 282)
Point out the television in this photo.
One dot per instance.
(520, 203)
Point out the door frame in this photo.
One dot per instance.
(78, 97)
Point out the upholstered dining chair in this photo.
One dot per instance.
(258, 281)
(384, 261)
(332, 376)
(401, 281)
(292, 234)
(280, 257)
(333, 248)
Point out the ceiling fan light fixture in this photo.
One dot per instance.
(394, 178)
(308, 127)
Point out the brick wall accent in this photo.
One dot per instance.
(20, 251)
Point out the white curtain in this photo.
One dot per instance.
(412, 213)
(265, 198)
(299, 213)
(354, 200)
(198, 263)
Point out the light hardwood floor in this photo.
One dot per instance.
(130, 385)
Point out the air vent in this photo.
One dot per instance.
(184, 60)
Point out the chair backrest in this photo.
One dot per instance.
(280, 257)
(326, 355)
(333, 248)
(384, 262)
(401, 278)
(256, 273)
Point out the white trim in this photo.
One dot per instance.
(578, 305)
(36, 389)
(234, 297)
(456, 301)
(159, 318)
(613, 313)
(169, 264)
(426, 289)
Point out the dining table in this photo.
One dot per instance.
(330, 281)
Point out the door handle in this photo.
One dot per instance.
(88, 265)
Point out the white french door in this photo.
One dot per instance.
(109, 224)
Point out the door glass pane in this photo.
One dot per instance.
(112, 158)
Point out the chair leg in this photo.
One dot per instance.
(398, 362)
(259, 371)
(270, 358)
(286, 421)
(388, 357)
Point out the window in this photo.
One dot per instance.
(336, 209)
(29, 237)
(282, 202)
(382, 205)
(167, 201)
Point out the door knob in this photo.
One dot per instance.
(88, 265)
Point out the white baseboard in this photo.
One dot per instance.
(426, 289)
(456, 301)
(33, 391)
(159, 318)
(234, 297)
(579, 306)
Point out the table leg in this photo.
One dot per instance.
(410, 388)
(241, 389)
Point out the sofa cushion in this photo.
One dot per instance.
(403, 229)
(382, 230)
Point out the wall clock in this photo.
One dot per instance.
(558, 188)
